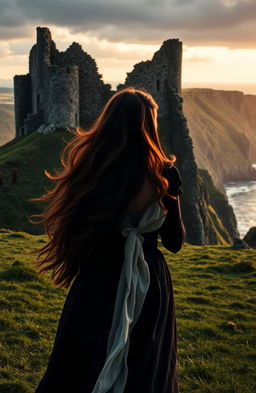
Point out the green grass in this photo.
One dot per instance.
(30, 155)
(30, 307)
(216, 314)
(221, 206)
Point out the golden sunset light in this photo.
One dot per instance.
(219, 41)
(128, 177)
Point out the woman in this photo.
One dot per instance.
(117, 191)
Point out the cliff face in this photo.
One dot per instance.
(219, 203)
(6, 123)
(161, 77)
(222, 125)
(202, 221)
(65, 88)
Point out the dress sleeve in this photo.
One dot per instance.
(175, 181)
(173, 232)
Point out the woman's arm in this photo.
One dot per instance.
(173, 232)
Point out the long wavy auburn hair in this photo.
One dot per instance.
(103, 170)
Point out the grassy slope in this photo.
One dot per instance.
(216, 315)
(213, 118)
(7, 126)
(30, 155)
(220, 204)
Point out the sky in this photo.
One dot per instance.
(219, 36)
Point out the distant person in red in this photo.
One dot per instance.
(1, 179)
(14, 176)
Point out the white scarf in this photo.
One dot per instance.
(131, 292)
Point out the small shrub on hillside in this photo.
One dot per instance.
(18, 272)
(243, 267)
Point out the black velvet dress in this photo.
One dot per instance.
(81, 340)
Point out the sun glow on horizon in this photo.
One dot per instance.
(201, 64)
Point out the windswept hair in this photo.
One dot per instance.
(103, 169)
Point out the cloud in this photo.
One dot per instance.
(16, 33)
(23, 47)
(198, 59)
(5, 50)
(197, 22)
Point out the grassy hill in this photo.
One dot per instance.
(30, 155)
(222, 125)
(217, 119)
(215, 304)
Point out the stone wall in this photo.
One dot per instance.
(33, 122)
(162, 78)
(64, 95)
(39, 64)
(176, 139)
(23, 105)
(161, 73)
(93, 93)
(65, 87)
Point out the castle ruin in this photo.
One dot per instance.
(61, 88)
(65, 89)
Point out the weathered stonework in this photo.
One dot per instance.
(162, 78)
(23, 101)
(61, 87)
(64, 89)
(159, 74)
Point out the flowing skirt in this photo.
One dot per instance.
(81, 340)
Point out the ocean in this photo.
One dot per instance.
(242, 197)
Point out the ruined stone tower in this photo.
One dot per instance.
(162, 78)
(163, 70)
(61, 88)
(65, 89)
